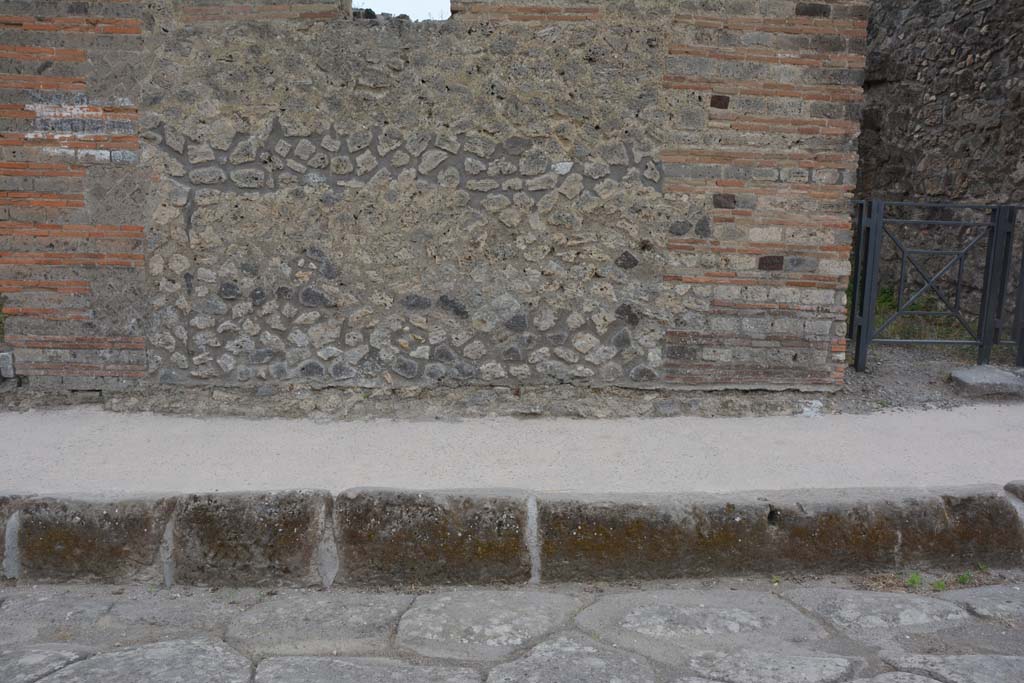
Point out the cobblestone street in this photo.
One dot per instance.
(751, 630)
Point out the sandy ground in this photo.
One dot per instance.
(87, 451)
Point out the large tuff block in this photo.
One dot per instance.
(249, 539)
(433, 538)
(109, 541)
(820, 531)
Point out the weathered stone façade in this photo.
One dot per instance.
(648, 195)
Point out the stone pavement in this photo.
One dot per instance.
(752, 630)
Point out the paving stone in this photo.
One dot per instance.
(105, 616)
(174, 661)
(896, 677)
(334, 670)
(391, 537)
(575, 658)
(304, 623)
(753, 667)
(482, 625)
(991, 602)
(249, 539)
(668, 625)
(64, 539)
(30, 664)
(876, 616)
(983, 381)
(963, 669)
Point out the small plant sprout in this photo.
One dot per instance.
(965, 578)
(914, 580)
(939, 586)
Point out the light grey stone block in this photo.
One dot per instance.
(482, 625)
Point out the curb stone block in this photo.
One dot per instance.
(649, 539)
(985, 527)
(820, 531)
(249, 539)
(111, 541)
(388, 537)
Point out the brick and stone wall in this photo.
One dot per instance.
(648, 195)
(944, 101)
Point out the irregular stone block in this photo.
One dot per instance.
(482, 625)
(896, 677)
(102, 617)
(29, 664)
(249, 539)
(111, 541)
(966, 668)
(879, 618)
(166, 662)
(391, 537)
(1003, 603)
(311, 624)
(986, 381)
(765, 667)
(822, 531)
(334, 670)
(670, 625)
(575, 658)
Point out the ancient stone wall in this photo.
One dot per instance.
(648, 195)
(945, 101)
(943, 114)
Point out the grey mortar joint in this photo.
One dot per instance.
(12, 552)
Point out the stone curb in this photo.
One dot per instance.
(376, 537)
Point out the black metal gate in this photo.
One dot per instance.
(956, 258)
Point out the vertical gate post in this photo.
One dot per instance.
(1018, 325)
(870, 247)
(997, 271)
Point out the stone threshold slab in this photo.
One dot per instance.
(378, 537)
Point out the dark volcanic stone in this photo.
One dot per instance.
(406, 367)
(313, 297)
(248, 539)
(517, 323)
(454, 305)
(627, 261)
(628, 314)
(681, 228)
(62, 539)
(444, 354)
(341, 371)
(229, 291)
(642, 373)
(416, 302)
(724, 201)
(389, 537)
(312, 370)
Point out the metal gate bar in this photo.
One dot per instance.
(993, 328)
